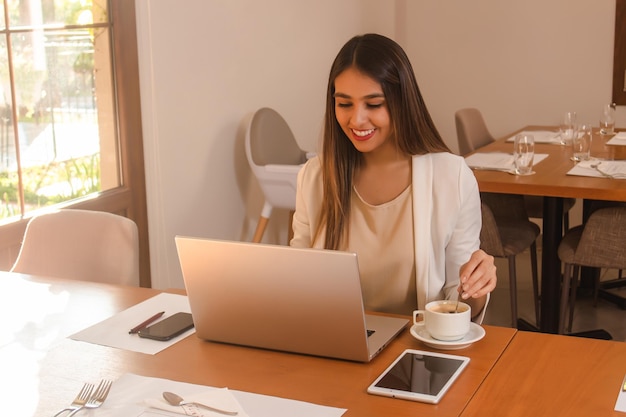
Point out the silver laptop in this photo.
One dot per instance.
(276, 297)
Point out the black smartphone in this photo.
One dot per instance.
(168, 328)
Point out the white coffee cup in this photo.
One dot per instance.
(442, 320)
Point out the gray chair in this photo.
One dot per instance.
(81, 244)
(506, 232)
(471, 130)
(599, 243)
(275, 159)
(472, 134)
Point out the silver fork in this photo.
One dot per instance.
(80, 400)
(97, 398)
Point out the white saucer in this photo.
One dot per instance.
(476, 333)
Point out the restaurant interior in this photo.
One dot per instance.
(513, 62)
(205, 69)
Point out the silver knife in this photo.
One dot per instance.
(491, 169)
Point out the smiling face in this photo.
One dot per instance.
(361, 111)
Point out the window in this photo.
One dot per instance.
(58, 138)
(69, 78)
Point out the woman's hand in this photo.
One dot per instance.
(478, 276)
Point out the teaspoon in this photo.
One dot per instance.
(175, 399)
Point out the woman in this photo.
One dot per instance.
(387, 188)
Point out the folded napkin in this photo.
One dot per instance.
(542, 136)
(596, 168)
(219, 398)
(619, 139)
(497, 161)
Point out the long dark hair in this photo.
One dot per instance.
(414, 132)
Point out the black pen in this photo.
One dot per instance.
(145, 323)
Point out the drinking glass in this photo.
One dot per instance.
(568, 126)
(581, 143)
(607, 120)
(524, 153)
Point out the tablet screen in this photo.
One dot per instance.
(419, 376)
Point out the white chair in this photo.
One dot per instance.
(81, 244)
(275, 159)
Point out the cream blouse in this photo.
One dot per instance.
(382, 238)
(444, 223)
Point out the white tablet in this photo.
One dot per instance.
(419, 376)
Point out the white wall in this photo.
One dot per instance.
(206, 65)
(520, 62)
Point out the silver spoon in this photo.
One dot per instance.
(174, 399)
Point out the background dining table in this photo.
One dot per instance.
(552, 182)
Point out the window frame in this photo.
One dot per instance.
(129, 199)
(619, 54)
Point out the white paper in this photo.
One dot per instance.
(497, 161)
(620, 404)
(113, 331)
(129, 394)
(599, 169)
(619, 139)
(541, 136)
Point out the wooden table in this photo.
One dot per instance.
(551, 182)
(42, 369)
(549, 375)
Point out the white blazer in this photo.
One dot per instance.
(446, 220)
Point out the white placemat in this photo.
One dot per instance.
(599, 169)
(130, 395)
(114, 330)
(619, 139)
(541, 136)
(496, 161)
(620, 404)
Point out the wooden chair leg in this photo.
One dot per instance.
(260, 229)
(513, 290)
(290, 229)
(264, 218)
(533, 264)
